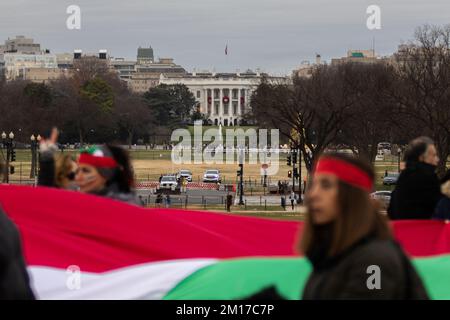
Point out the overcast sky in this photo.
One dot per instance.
(273, 35)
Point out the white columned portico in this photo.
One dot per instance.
(205, 99)
(221, 105)
(239, 103)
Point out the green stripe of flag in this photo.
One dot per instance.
(240, 278)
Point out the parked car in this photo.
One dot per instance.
(187, 174)
(383, 196)
(168, 182)
(212, 176)
(390, 179)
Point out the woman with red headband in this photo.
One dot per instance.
(106, 171)
(347, 240)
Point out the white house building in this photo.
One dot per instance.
(223, 97)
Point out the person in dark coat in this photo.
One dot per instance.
(14, 279)
(417, 191)
(348, 241)
(442, 211)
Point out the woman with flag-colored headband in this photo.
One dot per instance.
(347, 240)
(106, 171)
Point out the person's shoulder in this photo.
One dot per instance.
(379, 252)
(9, 235)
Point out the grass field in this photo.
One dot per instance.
(150, 164)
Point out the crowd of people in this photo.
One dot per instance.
(344, 232)
(419, 194)
(104, 170)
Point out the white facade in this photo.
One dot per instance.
(223, 97)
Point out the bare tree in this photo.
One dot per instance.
(423, 68)
(311, 112)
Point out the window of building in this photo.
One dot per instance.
(235, 106)
(198, 94)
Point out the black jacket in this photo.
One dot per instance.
(416, 193)
(14, 280)
(345, 276)
(442, 211)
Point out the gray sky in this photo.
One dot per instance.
(274, 35)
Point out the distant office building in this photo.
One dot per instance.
(64, 60)
(306, 68)
(124, 68)
(147, 76)
(145, 55)
(44, 75)
(16, 65)
(145, 72)
(20, 44)
(363, 56)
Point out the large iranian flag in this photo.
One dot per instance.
(126, 252)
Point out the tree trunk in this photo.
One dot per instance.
(130, 139)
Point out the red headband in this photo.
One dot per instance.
(345, 172)
(99, 162)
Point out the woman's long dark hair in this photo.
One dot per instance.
(124, 176)
(359, 215)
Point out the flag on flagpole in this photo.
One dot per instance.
(226, 49)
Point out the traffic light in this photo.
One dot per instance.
(294, 157)
(239, 172)
(289, 174)
(295, 172)
(289, 160)
(13, 155)
(11, 170)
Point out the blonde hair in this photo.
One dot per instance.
(63, 166)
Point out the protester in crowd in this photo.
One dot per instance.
(183, 184)
(417, 190)
(106, 171)
(65, 172)
(344, 236)
(442, 211)
(283, 202)
(14, 279)
(293, 198)
(229, 202)
(168, 200)
(159, 200)
(47, 151)
(57, 172)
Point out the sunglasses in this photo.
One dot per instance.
(71, 176)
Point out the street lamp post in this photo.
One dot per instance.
(8, 141)
(5, 173)
(34, 144)
(241, 177)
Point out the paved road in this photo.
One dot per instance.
(213, 197)
(192, 196)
